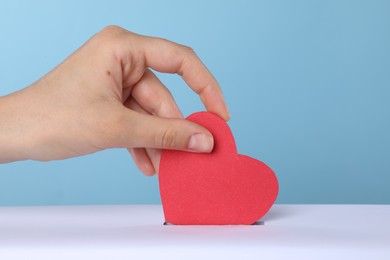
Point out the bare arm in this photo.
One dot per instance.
(105, 96)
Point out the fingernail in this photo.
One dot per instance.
(201, 143)
(226, 109)
(228, 114)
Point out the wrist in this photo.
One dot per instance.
(15, 135)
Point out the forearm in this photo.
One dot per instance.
(15, 135)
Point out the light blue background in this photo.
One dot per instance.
(307, 83)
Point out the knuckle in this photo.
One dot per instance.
(168, 139)
(188, 50)
(111, 29)
(109, 37)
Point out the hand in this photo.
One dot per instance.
(104, 96)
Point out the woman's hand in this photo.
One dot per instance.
(103, 96)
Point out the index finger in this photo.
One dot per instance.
(169, 57)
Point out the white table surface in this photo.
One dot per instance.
(136, 232)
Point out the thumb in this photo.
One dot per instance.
(168, 133)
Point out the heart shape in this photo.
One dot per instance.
(219, 188)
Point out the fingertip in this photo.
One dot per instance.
(227, 115)
(142, 161)
(147, 169)
(222, 113)
(154, 156)
(226, 110)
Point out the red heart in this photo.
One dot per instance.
(219, 188)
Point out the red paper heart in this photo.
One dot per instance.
(219, 188)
